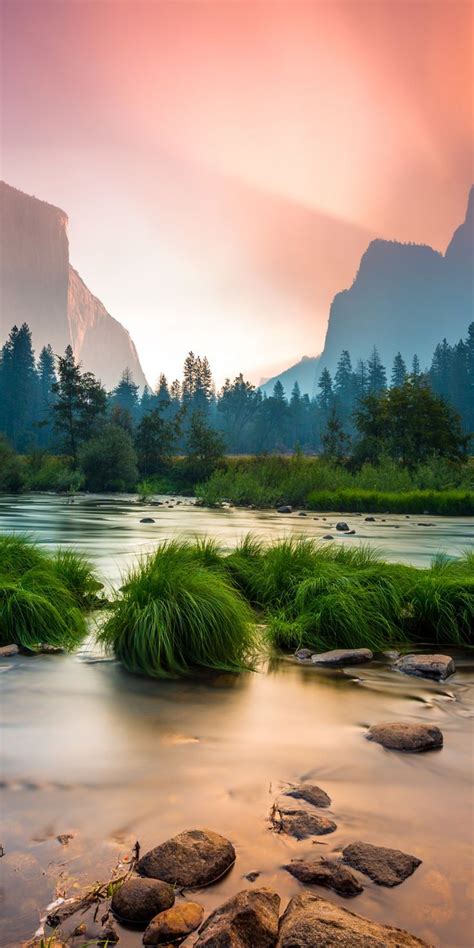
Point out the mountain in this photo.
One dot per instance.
(304, 372)
(405, 297)
(38, 286)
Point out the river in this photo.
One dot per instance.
(107, 758)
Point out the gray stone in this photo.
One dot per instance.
(302, 514)
(303, 654)
(147, 520)
(328, 536)
(174, 924)
(342, 525)
(248, 920)
(310, 921)
(387, 867)
(139, 900)
(285, 509)
(369, 519)
(406, 737)
(310, 793)
(6, 651)
(301, 823)
(438, 667)
(193, 858)
(330, 873)
(343, 656)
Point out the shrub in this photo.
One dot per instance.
(176, 615)
(109, 462)
(11, 472)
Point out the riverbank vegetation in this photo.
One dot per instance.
(43, 597)
(191, 605)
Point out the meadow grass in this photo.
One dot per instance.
(177, 612)
(42, 596)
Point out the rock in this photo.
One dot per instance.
(139, 900)
(252, 876)
(406, 737)
(342, 525)
(285, 509)
(303, 654)
(350, 533)
(248, 920)
(424, 524)
(301, 823)
(387, 867)
(391, 654)
(438, 667)
(6, 651)
(107, 936)
(193, 858)
(328, 536)
(330, 873)
(310, 793)
(369, 519)
(174, 924)
(310, 921)
(147, 520)
(302, 514)
(343, 656)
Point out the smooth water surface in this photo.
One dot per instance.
(109, 758)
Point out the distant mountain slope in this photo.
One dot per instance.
(405, 297)
(38, 286)
(304, 372)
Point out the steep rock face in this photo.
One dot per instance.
(304, 372)
(38, 286)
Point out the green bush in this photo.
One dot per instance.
(108, 462)
(176, 614)
(11, 471)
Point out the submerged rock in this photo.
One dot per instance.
(387, 867)
(6, 651)
(248, 920)
(342, 526)
(108, 935)
(302, 513)
(301, 823)
(139, 900)
(285, 509)
(406, 737)
(343, 656)
(330, 873)
(369, 519)
(174, 924)
(438, 667)
(310, 920)
(328, 536)
(147, 520)
(193, 858)
(303, 654)
(310, 793)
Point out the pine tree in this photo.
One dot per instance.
(79, 404)
(18, 388)
(46, 380)
(377, 376)
(325, 397)
(125, 396)
(399, 371)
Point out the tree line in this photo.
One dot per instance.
(51, 405)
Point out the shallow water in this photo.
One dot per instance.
(110, 759)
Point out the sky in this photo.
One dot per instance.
(225, 164)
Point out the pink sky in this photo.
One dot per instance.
(224, 164)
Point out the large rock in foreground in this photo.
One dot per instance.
(247, 920)
(193, 858)
(342, 656)
(406, 737)
(139, 900)
(310, 921)
(330, 873)
(438, 667)
(385, 866)
(174, 924)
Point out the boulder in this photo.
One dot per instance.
(343, 656)
(247, 920)
(301, 823)
(438, 667)
(369, 519)
(384, 866)
(302, 513)
(391, 654)
(174, 924)
(193, 858)
(147, 520)
(139, 900)
(6, 651)
(328, 536)
(342, 526)
(303, 654)
(330, 873)
(350, 533)
(406, 737)
(310, 793)
(310, 921)
(285, 509)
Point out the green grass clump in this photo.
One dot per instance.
(177, 614)
(353, 500)
(42, 595)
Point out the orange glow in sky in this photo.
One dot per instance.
(224, 164)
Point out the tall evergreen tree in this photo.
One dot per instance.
(18, 388)
(46, 380)
(377, 376)
(79, 404)
(399, 371)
